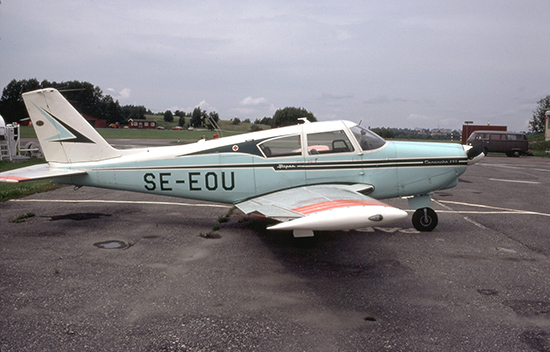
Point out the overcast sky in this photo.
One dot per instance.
(388, 63)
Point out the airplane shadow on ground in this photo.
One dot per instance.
(349, 271)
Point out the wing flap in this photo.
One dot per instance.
(36, 172)
(282, 204)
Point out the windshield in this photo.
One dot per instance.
(366, 138)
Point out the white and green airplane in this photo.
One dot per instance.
(310, 177)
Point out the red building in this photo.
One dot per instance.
(468, 129)
(140, 123)
(97, 123)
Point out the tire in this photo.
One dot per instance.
(34, 151)
(424, 219)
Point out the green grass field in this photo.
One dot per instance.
(22, 189)
(227, 128)
(537, 145)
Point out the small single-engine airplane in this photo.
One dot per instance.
(310, 177)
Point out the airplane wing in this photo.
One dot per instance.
(36, 172)
(322, 207)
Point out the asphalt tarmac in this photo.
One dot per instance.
(479, 282)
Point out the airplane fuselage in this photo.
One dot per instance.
(234, 169)
(309, 177)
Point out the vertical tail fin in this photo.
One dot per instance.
(64, 135)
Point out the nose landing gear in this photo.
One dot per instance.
(424, 219)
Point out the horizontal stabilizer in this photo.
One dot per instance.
(36, 172)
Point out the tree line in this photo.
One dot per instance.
(90, 100)
(84, 96)
(197, 118)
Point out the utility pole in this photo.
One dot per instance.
(547, 126)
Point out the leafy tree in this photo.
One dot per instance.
(289, 116)
(111, 110)
(214, 116)
(181, 121)
(168, 116)
(211, 120)
(265, 121)
(12, 107)
(537, 124)
(383, 132)
(133, 112)
(236, 121)
(196, 117)
(86, 99)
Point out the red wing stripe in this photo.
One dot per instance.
(317, 207)
(15, 178)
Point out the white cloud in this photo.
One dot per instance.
(124, 94)
(253, 101)
(204, 105)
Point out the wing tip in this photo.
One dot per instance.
(12, 179)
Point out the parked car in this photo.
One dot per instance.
(177, 128)
(511, 143)
(161, 128)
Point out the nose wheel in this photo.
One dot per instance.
(424, 219)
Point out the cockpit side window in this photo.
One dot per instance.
(283, 146)
(367, 139)
(328, 142)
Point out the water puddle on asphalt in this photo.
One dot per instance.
(78, 216)
(111, 245)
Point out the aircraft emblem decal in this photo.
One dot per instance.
(235, 148)
(65, 132)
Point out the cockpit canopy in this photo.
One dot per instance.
(367, 139)
(322, 141)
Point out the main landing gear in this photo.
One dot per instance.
(424, 219)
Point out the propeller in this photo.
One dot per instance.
(474, 153)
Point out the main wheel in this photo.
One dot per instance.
(33, 150)
(424, 219)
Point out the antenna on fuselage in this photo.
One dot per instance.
(304, 120)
